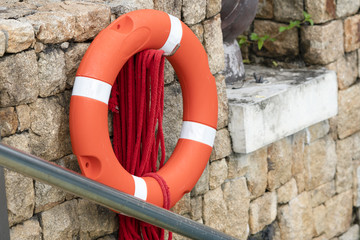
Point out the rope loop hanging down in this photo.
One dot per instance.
(137, 103)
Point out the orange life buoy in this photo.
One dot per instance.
(129, 34)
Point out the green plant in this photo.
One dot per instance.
(260, 40)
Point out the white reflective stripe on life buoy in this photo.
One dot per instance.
(198, 132)
(140, 188)
(174, 37)
(92, 88)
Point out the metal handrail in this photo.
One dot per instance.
(81, 186)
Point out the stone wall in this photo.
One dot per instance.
(304, 186)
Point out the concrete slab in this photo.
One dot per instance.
(286, 102)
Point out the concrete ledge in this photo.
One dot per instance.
(285, 103)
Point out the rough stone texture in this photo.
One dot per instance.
(296, 219)
(193, 11)
(196, 207)
(172, 7)
(50, 127)
(262, 211)
(213, 44)
(351, 33)
(351, 234)
(338, 214)
(322, 44)
(19, 141)
(265, 9)
(346, 69)
(215, 209)
(213, 7)
(279, 163)
(317, 131)
(298, 165)
(202, 186)
(256, 176)
(356, 183)
(67, 221)
(236, 196)
(286, 43)
(20, 35)
(47, 196)
(183, 206)
(119, 7)
(319, 214)
(169, 73)
(347, 7)
(223, 108)
(2, 43)
(320, 162)
(52, 76)
(73, 57)
(109, 237)
(222, 145)
(23, 114)
(349, 111)
(172, 121)
(322, 193)
(28, 230)
(95, 221)
(20, 197)
(288, 10)
(8, 121)
(198, 30)
(18, 79)
(321, 10)
(238, 165)
(218, 173)
(344, 171)
(287, 192)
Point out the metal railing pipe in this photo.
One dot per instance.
(81, 186)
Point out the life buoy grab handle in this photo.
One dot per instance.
(129, 34)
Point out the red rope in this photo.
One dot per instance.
(137, 103)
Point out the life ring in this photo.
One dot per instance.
(129, 34)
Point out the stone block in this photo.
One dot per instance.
(27, 230)
(18, 79)
(19, 35)
(19, 141)
(223, 108)
(215, 209)
(351, 234)
(23, 115)
(47, 196)
(319, 214)
(193, 11)
(320, 162)
(108, 237)
(286, 44)
(356, 183)
(222, 145)
(296, 219)
(218, 173)
(198, 30)
(196, 207)
(344, 171)
(322, 193)
(317, 131)
(279, 163)
(321, 10)
(260, 114)
(50, 137)
(351, 33)
(338, 214)
(2, 43)
(169, 73)
(238, 165)
(213, 7)
(183, 206)
(288, 10)
(52, 76)
(119, 7)
(346, 7)
(20, 197)
(346, 68)
(95, 221)
(73, 56)
(236, 196)
(287, 192)
(262, 211)
(213, 43)
(265, 9)
(172, 7)
(202, 185)
(298, 165)
(8, 121)
(66, 221)
(349, 111)
(256, 175)
(322, 44)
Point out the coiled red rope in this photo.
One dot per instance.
(137, 103)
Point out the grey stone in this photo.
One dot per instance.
(18, 79)
(223, 108)
(183, 206)
(169, 72)
(52, 76)
(119, 7)
(2, 43)
(215, 209)
(351, 234)
(265, 9)
(193, 11)
(196, 207)
(351, 33)
(238, 165)
(218, 173)
(27, 230)
(288, 10)
(344, 166)
(222, 145)
(287, 192)
(321, 10)
(317, 131)
(73, 56)
(202, 185)
(319, 214)
(8, 121)
(23, 114)
(172, 7)
(47, 196)
(347, 7)
(322, 193)
(213, 7)
(20, 35)
(19, 141)
(198, 30)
